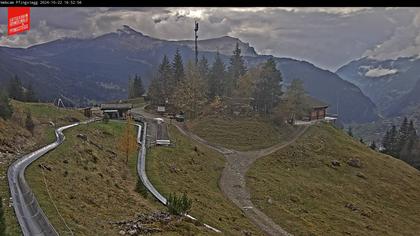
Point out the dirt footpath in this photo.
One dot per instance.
(233, 182)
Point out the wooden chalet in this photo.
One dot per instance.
(116, 111)
(318, 109)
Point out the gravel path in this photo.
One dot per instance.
(233, 179)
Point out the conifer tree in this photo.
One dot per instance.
(268, 91)
(295, 95)
(403, 135)
(217, 76)
(30, 95)
(236, 69)
(16, 89)
(178, 68)
(350, 131)
(373, 145)
(29, 123)
(203, 68)
(162, 86)
(138, 89)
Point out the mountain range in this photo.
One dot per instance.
(393, 85)
(97, 69)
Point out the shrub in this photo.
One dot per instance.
(179, 205)
(29, 123)
(140, 188)
(106, 118)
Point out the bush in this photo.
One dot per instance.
(29, 123)
(140, 188)
(106, 118)
(179, 205)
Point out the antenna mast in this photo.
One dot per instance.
(196, 37)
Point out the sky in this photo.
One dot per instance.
(326, 37)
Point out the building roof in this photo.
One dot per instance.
(314, 102)
(111, 106)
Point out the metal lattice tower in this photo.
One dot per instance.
(196, 37)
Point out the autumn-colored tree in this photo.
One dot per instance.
(246, 83)
(190, 95)
(128, 143)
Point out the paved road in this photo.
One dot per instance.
(31, 217)
(233, 179)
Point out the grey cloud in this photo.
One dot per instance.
(328, 37)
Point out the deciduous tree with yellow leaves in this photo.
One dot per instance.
(128, 143)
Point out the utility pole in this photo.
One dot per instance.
(196, 37)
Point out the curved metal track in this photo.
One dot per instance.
(31, 217)
(141, 171)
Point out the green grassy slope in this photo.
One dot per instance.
(301, 191)
(16, 140)
(239, 134)
(91, 184)
(181, 169)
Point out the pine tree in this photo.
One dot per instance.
(2, 220)
(412, 134)
(350, 131)
(203, 69)
(403, 135)
(178, 67)
(29, 123)
(373, 145)
(394, 143)
(162, 85)
(5, 107)
(390, 142)
(178, 205)
(362, 141)
(16, 89)
(386, 142)
(408, 152)
(30, 95)
(295, 97)
(138, 89)
(268, 91)
(236, 69)
(217, 76)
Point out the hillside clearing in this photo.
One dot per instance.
(91, 185)
(193, 169)
(242, 134)
(16, 140)
(300, 189)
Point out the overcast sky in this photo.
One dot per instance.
(326, 37)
